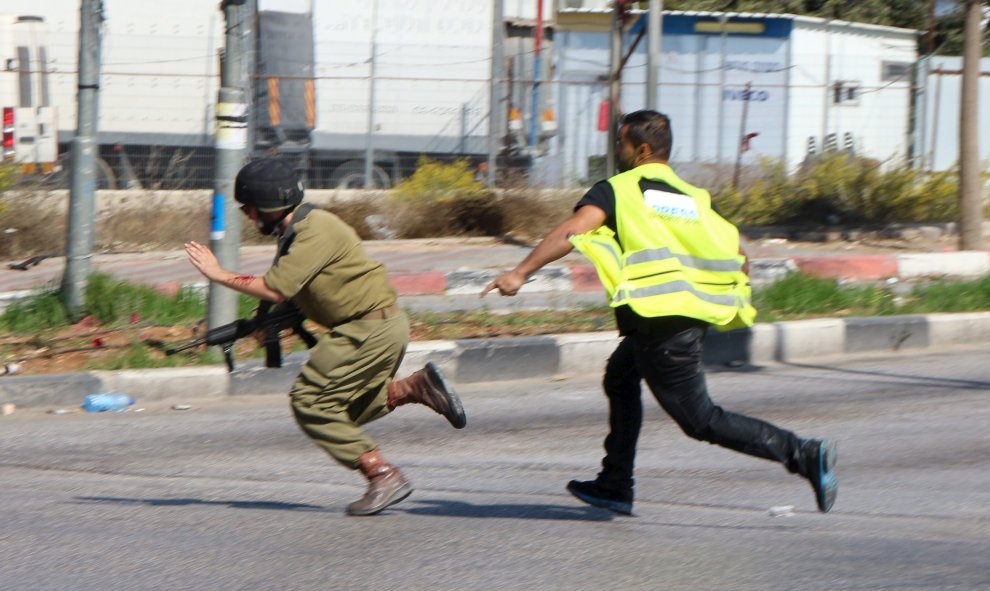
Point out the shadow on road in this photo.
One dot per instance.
(441, 508)
(918, 380)
(269, 505)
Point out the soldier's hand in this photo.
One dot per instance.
(507, 283)
(204, 260)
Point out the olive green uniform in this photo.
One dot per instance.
(324, 270)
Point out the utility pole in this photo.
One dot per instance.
(82, 192)
(369, 146)
(970, 207)
(231, 150)
(655, 39)
(537, 75)
(614, 75)
(495, 109)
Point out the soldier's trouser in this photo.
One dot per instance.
(345, 384)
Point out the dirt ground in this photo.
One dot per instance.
(87, 345)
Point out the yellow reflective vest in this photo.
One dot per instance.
(678, 257)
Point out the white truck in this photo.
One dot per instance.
(160, 76)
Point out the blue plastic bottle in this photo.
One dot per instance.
(107, 402)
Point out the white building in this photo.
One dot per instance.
(938, 102)
(800, 83)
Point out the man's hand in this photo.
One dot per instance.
(203, 259)
(507, 283)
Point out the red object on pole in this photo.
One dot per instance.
(604, 114)
(746, 140)
(538, 43)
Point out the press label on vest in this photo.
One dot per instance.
(671, 205)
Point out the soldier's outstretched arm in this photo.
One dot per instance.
(203, 259)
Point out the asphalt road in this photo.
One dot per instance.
(229, 494)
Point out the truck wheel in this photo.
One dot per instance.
(350, 175)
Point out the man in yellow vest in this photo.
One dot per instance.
(671, 266)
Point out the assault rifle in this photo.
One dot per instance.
(272, 321)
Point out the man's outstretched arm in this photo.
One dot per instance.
(554, 246)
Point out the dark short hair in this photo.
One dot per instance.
(652, 128)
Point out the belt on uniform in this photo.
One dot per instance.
(380, 314)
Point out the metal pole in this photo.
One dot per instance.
(495, 98)
(828, 84)
(655, 39)
(723, 20)
(369, 147)
(537, 74)
(82, 192)
(742, 136)
(230, 149)
(614, 69)
(462, 144)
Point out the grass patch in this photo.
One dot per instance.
(33, 314)
(799, 296)
(948, 296)
(112, 303)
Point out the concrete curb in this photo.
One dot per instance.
(468, 361)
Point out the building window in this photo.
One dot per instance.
(894, 71)
(845, 92)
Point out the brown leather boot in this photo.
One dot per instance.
(386, 485)
(428, 386)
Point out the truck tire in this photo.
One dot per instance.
(350, 175)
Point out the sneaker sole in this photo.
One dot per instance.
(828, 487)
(614, 506)
(457, 418)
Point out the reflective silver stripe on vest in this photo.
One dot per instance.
(659, 254)
(674, 287)
(608, 246)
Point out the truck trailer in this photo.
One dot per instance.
(332, 80)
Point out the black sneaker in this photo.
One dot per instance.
(589, 492)
(820, 458)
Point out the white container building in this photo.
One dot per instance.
(801, 84)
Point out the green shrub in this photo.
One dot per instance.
(934, 199)
(839, 188)
(9, 174)
(770, 198)
(443, 199)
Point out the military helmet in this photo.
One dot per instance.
(268, 184)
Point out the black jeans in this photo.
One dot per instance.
(667, 356)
